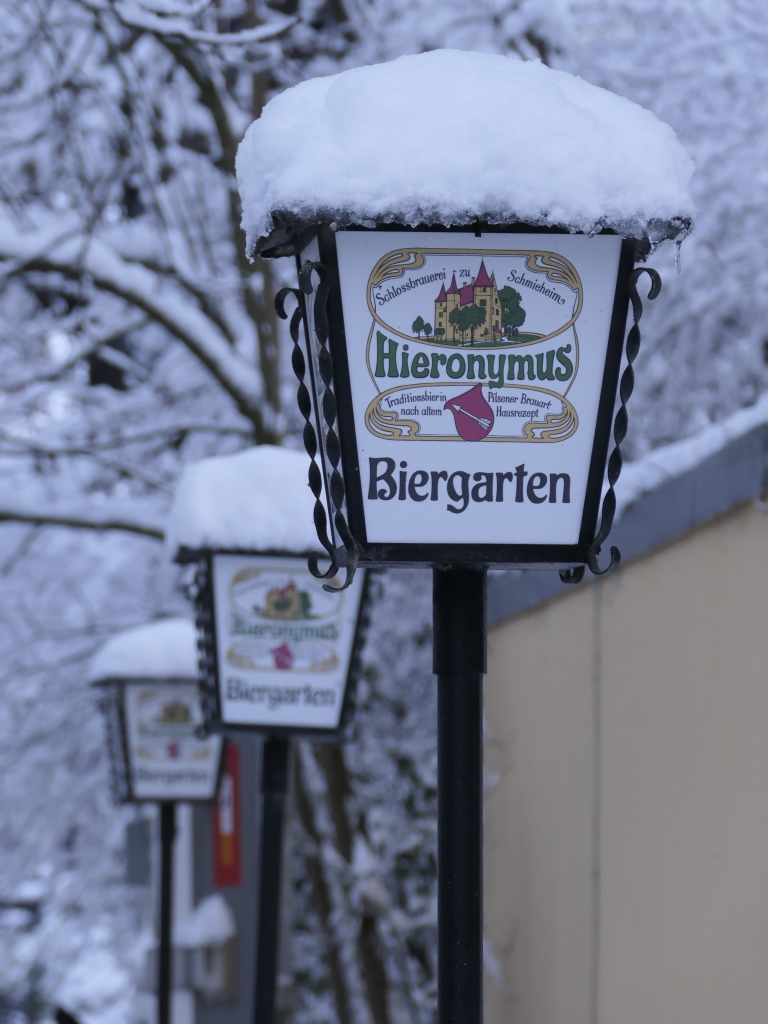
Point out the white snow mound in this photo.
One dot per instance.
(211, 923)
(160, 650)
(256, 500)
(452, 137)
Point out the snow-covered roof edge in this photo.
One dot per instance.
(660, 498)
(672, 460)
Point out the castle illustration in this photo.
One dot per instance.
(481, 292)
(287, 602)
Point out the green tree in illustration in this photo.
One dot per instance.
(427, 330)
(512, 313)
(458, 317)
(476, 317)
(439, 332)
(417, 326)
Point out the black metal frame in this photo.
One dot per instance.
(620, 424)
(112, 707)
(112, 704)
(207, 648)
(346, 500)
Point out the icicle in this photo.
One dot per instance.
(678, 247)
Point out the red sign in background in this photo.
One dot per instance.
(226, 822)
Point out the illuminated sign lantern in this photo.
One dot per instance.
(277, 649)
(151, 701)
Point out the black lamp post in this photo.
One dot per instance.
(278, 653)
(151, 702)
(458, 338)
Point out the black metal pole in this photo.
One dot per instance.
(459, 660)
(164, 952)
(274, 782)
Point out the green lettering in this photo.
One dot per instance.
(545, 373)
(497, 380)
(390, 354)
(480, 361)
(436, 360)
(523, 363)
(404, 363)
(420, 365)
(566, 363)
(458, 368)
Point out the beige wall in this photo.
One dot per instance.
(626, 836)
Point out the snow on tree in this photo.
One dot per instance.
(702, 69)
(136, 338)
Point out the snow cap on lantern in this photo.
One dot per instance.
(361, 148)
(255, 500)
(166, 649)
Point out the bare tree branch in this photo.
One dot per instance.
(80, 520)
(260, 307)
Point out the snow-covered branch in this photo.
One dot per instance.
(95, 345)
(173, 434)
(160, 298)
(137, 16)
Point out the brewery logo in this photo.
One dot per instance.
(472, 414)
(277, 624)
(166, 722)
(473, 346)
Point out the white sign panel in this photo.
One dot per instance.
(167, 760)
(476, 366)
(283, 643)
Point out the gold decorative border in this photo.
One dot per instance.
(389, 427)
(539, 261)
